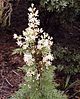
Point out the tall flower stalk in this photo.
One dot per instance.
(35, 45)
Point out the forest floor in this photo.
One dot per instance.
(10, 78)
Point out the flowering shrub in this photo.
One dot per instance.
(35, 45)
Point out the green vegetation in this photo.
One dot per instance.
(60, 5)
(66, 61)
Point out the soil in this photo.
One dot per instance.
(10, 78)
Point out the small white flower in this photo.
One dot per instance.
(37, 22)
(27, 57)
(38, 76)
(24, 84)
(30, 16)
(25, 46)
(48, 57)
(31, 25)
(39, 46)
(32, 5)
(30, 9)
(51, 38)
(46, 42)
(36, 88)
(41, 36)
(48, 37)
(41, 30)
(34, 9)
(41, 68)
(30, 73)
(20, 37)
(33, 37)
(36, 30)
(24, 33)
(27, 38)
(15, 36)
(36, 13)
(33, 80)
(44, 59)
(40, 41)
(19, 43)
(29, 32)
(51, 43)
(33, 51)
(48, 63)
(29, 86)
(45, 35)
(47, 66)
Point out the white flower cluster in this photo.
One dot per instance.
(27, 42)
(28, 59)
(33, 21)
(44, 44)
(30, 33)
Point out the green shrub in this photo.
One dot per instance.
(60, 5)
(66, 60)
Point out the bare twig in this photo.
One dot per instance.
(74, 94)
(15, 72)
(8, 82)
(72, 85)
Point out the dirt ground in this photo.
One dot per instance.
(10, 78)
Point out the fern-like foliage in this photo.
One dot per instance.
(46, 89)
